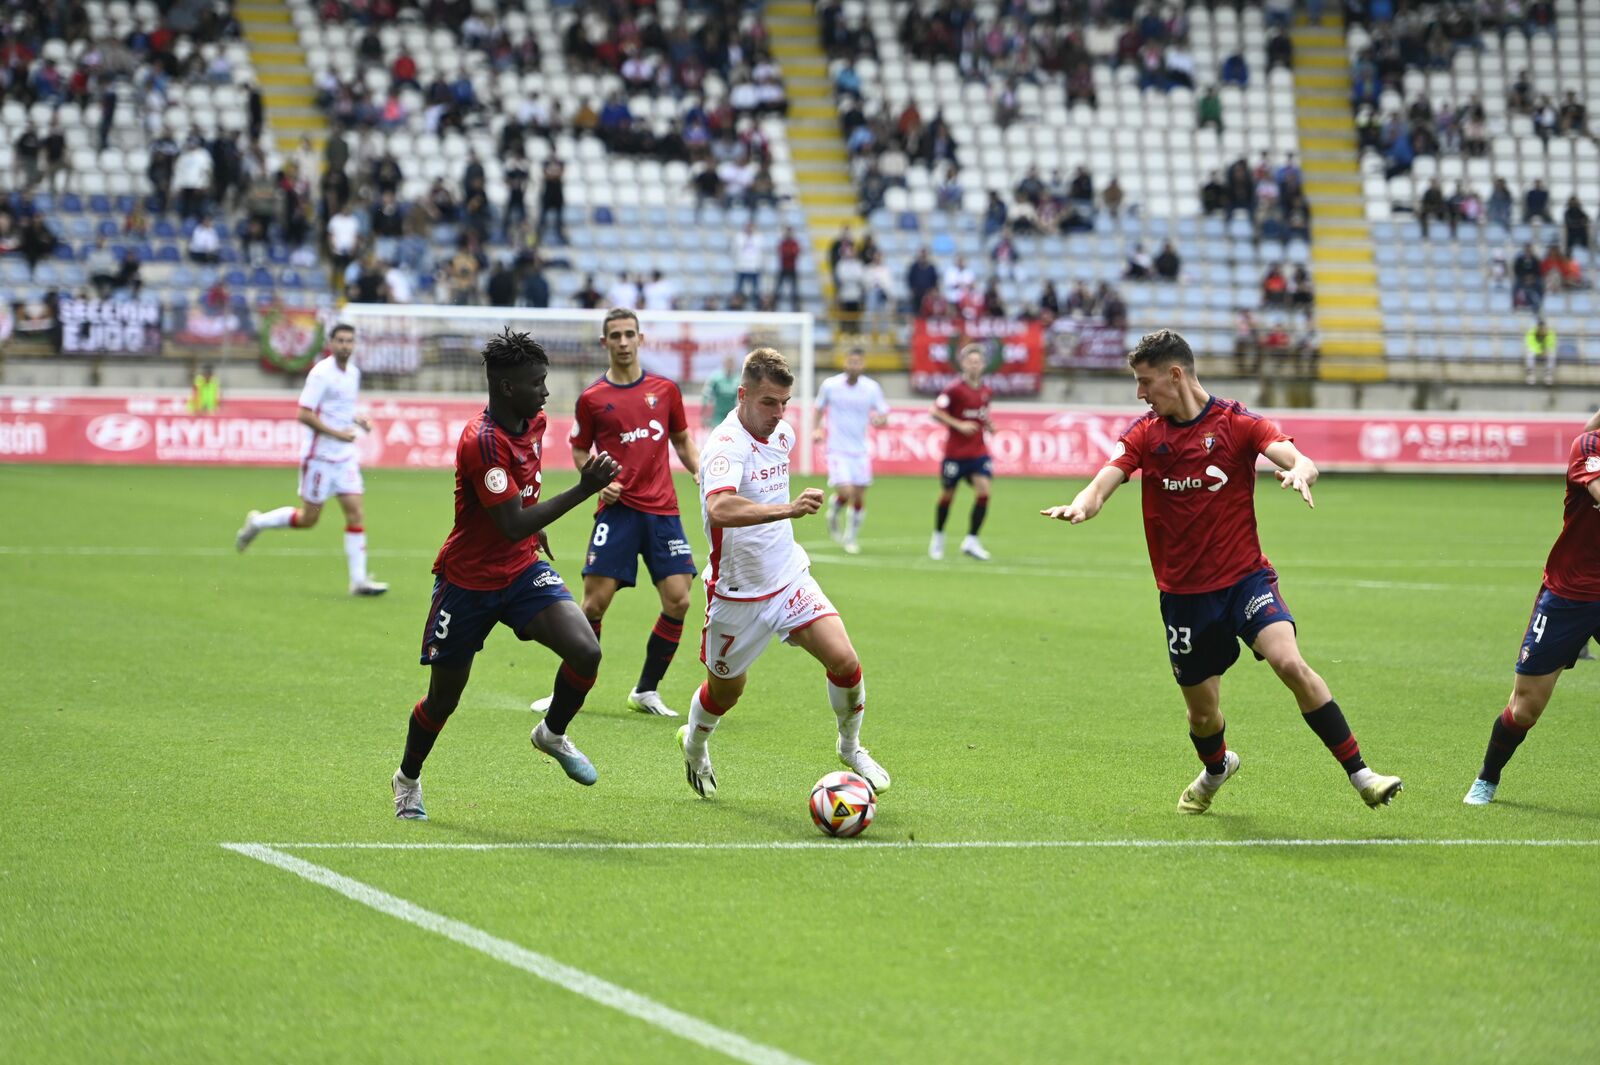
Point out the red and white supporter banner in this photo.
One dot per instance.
(1029, 441)
(1014, 349)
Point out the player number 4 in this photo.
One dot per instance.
(1538, 627)
(1174, 637)
(443, 631)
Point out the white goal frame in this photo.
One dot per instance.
(802, 324)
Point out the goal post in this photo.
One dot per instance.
(686, 346)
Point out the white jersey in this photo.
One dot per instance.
(755, 561)
(850, 409)
(332, 394)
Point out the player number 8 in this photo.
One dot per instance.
(601, 531)
(1175, 635)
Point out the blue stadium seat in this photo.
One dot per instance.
(277, 254)
(602, 216)
(124, 203)
(261, 277)
(290, 279)
(107, 228)
(70, 204)
(168, 253)
(164, 229)
(64, 252)
(100, 204)
(235, 278)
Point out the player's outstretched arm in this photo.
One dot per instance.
(517, 522)
(1087, 503)
(1295, 471)
(727, 510)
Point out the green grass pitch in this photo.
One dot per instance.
(163, 696)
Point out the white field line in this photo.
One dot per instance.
(545, 968)
(908, 845)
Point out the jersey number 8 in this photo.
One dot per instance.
(601, 531)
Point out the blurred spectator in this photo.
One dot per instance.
(55, 156)
(588, 296)
(27, 148)
(922, 277)
(1527, 281)
(624, 292)
(1246, 342)
(191, 178)
(1235, 71)
(1433, 206)
(1139, 265)
(1536, 203)
(461, 275)
(1111, 198)
(1576, 222)
(101, 266)
(553, 199)
(536, 287)
(502, 287)
(660, 293)
(1208, 111)
(205, 245)
(1280, 51)
(848, 282)
(1167, 262)
(958, 278)
(1540, 346)
(748, 252)
(344, 238)
(1499, 209)
(788, 269)
(1302, 291)
(1560, 271)
(1275, 287)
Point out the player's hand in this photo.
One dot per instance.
(817, 434)
(598, 472)
(611, 493)
(966, 428)
(348, 436)
(1074, 512)
(544, 546)
(363, 423)
(1297, 482)
(808, 502)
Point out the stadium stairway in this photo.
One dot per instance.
(286, 87)
(1343, 269)
(821, 165)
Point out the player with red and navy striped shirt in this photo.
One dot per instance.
(963, 408)
(489, 572)
(1566, 613)
(632, 415)
(1197, 456)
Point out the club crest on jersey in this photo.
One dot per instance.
(650, 399)
(1208, 440)
(1591, 464)
(783, 439)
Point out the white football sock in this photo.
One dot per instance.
(355, 553)
(702, 723)
(845, 703)
(858, 517)
(276, 519)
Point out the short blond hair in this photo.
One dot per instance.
(766, 364)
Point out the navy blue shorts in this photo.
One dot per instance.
(621, 535)
(953, 471)
(1204, 630)
(460, 619)
(1557, 631)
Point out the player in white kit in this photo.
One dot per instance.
(847, 404)
(759, 584)
(329, 463)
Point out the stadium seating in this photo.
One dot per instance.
(1147, 140)
(1449, 297)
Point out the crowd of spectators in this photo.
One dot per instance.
(1271, 195)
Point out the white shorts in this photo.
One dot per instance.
(320, 479)
(737, 631)
(849, 469)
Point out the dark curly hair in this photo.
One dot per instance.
(507, 350)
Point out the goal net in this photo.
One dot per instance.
(438, 348)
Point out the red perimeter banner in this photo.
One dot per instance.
(1015, 351)
(1028, 440)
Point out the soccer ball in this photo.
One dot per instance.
(842, 804)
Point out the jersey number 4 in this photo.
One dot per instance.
(1177, 637)
(1538, 627)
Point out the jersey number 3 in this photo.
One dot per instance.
(443, 631)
